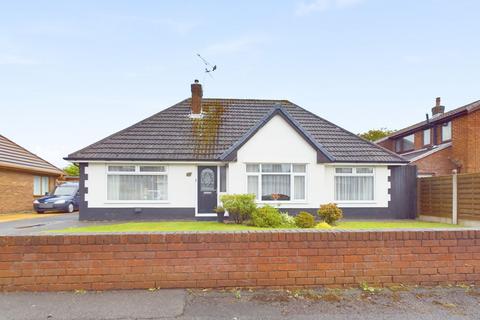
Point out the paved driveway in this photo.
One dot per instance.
(39, 225)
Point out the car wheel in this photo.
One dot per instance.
(70, 208)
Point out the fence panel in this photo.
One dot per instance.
(469, 196)
(435, 196)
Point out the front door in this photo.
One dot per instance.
(207, 189)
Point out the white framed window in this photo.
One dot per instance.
(137, 183)
(426, 137)
(405, 144)
(354, 184)
(447, 131)
(277, 181)
(40, 185)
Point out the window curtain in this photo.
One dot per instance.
(252, 185)
(299, 188)
(278, 184)
(37, 187)
(45, 187)
(137, 187)
(353, 188)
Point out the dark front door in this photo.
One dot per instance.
(207, 189)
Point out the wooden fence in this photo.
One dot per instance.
(445, 196)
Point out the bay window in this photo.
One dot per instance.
(137, 183)
(277, 181)
(354, 184)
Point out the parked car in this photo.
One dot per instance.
(64, 198)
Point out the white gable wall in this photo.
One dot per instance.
(278, 142)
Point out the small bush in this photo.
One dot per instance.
(330, 213)
(239, 206)
(267, 217)
(323, 225)
(219, 209)
(304, 220)
(287, 220)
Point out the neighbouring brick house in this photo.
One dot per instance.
(23, 177)
(447, 141)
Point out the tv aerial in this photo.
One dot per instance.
(209, 68)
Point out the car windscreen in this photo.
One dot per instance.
(65, 191)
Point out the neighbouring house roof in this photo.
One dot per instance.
(471, 107)
(16, 157)
(425, 152)
(172, 135)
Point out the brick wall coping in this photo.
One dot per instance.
(240, 236)
(312, 230)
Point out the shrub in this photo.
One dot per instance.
(239, 206)
(304, 220)
(267, 217)
(287, 220)
(330, 213)
(219, 209)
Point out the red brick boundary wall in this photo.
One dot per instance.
(242, 259)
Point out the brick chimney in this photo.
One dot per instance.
(197, 94)
(438, 109)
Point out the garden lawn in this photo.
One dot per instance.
(169, 226)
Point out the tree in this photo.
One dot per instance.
(375, 134)
(72, 170)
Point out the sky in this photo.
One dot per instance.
(73, 72)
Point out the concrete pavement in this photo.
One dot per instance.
(105, 305)
(405, 304)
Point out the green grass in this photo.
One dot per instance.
(215, 226)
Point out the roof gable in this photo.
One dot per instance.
(322, 155)
(172, 135)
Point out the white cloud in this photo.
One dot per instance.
(306, 8)
(242, 44)
(15, 60)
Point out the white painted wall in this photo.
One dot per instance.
(278, 142)
(181, 188)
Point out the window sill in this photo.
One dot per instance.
(282, 202)
(355, 202)
(137, 201)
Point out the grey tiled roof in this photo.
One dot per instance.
(172, 135)
(13, 155)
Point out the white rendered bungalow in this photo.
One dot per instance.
(176, 164)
